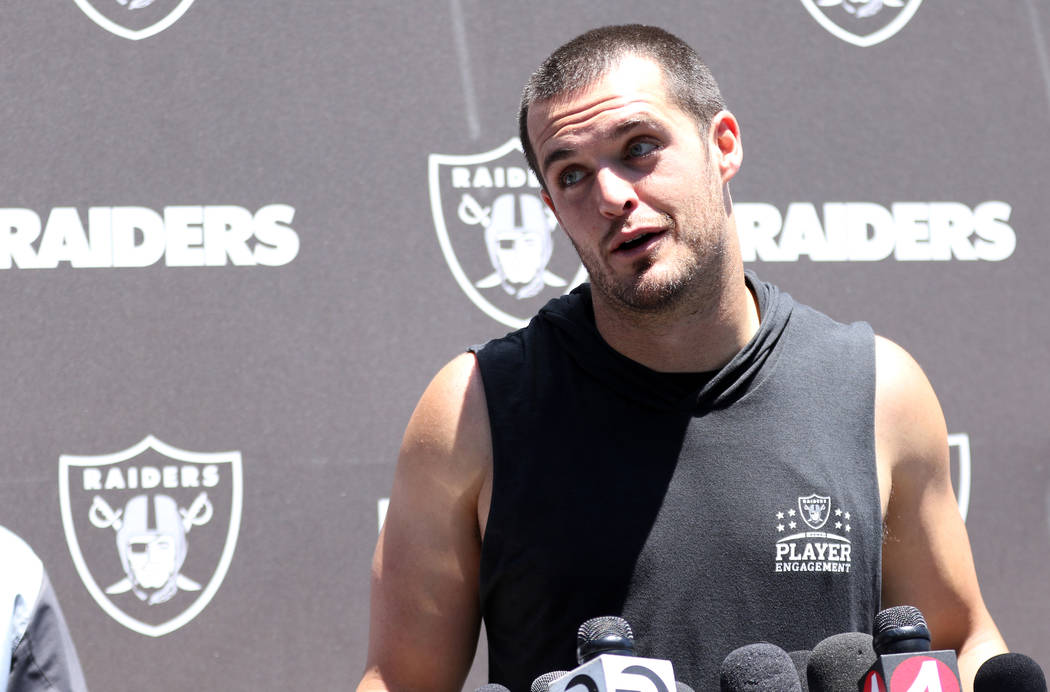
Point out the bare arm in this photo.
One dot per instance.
(425, 615)
(926, 558)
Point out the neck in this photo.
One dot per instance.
(699, 333)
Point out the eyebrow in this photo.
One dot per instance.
(620, 130)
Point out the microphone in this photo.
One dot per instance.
(801, 660)
(760, 667)
(608, 634)
(905, 662)
(492, 687)
(900, 629)
(1009, 673)
(605, 651)
(543, 682)
(839, 662)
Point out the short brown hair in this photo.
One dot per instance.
(586, 58)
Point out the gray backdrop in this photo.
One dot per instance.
(226, 235)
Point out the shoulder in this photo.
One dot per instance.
(909, 424)
(14, 548)
(23, 572)
(21, 583)
(449, 431)
(911, 438)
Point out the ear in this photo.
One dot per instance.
(726, 144)
(550, 205)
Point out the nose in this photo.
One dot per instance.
(616, 194)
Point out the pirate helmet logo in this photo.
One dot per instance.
(815, 510)
(134, 19)
(151, 542)
(157, 525)
(496, 234)
(862, 22)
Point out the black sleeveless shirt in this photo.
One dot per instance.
(710, 512)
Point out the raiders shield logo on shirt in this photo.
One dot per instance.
(814, 510)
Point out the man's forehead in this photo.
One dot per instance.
(633, 78)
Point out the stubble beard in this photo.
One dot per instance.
(654, 287)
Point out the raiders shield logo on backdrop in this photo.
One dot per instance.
(134, 19)
(959, 450)
(862, 22)
(151, 529)
(498, 237)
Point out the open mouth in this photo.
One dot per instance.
(637, 242)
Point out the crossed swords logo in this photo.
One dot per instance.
(471, 212)
(103, 516)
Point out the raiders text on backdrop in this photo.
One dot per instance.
(185, 236)
(865, 231)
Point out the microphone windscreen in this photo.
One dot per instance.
(900, 629)
(682, 687)
(492, 687)
(838, 663)
(1013, 672)
(801, 660)
(609, 634)
(760, 667)
(543, 682)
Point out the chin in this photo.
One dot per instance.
(651, 294)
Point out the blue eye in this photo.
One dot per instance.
(570, 177)
(640, 148)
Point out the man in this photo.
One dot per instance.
(36, 652)
(665, 443)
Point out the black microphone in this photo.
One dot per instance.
(1009, 673)
(760, 667)
(839, 662)
(902, 642)
(543, 682)
(492, 687)
(608, 634)
(900, 630)
(801, 660)
(605, 650)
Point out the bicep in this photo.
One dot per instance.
(424, 607)
(926, 551)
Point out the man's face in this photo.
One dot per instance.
(634, 184)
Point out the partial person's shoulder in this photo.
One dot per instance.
(13, 547)
(23, 571)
